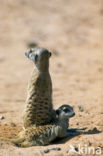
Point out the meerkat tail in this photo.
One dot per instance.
(25, 144)
(16, 141)
(4, 139)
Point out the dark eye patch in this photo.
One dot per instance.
(36, 57)
(66, 110)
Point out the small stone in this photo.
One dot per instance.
(76, 148)
(56, 148)
(46, 151)
(1, 117)
(77, 123)
(81, 108)
(13, 124)
(89, 143)
(95, 129)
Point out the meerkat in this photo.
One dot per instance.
(39, 108)
(45, 134)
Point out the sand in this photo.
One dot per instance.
(73, 31)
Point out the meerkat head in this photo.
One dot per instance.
(65, 112)
(40, 56)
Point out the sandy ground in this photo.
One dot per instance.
(73, 31)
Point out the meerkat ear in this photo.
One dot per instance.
(57, 111)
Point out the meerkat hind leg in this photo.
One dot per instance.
(76, 129)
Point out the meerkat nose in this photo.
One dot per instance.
(73, 113)
(50, 53)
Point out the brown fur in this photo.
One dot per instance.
(45, 134)
(39, 108)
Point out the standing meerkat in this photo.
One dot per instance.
(39, 108)
(45, 134)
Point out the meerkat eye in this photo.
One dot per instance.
(66, 110)
(36, 57)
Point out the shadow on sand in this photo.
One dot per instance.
(74, 133)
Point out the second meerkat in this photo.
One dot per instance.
(39, 108)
